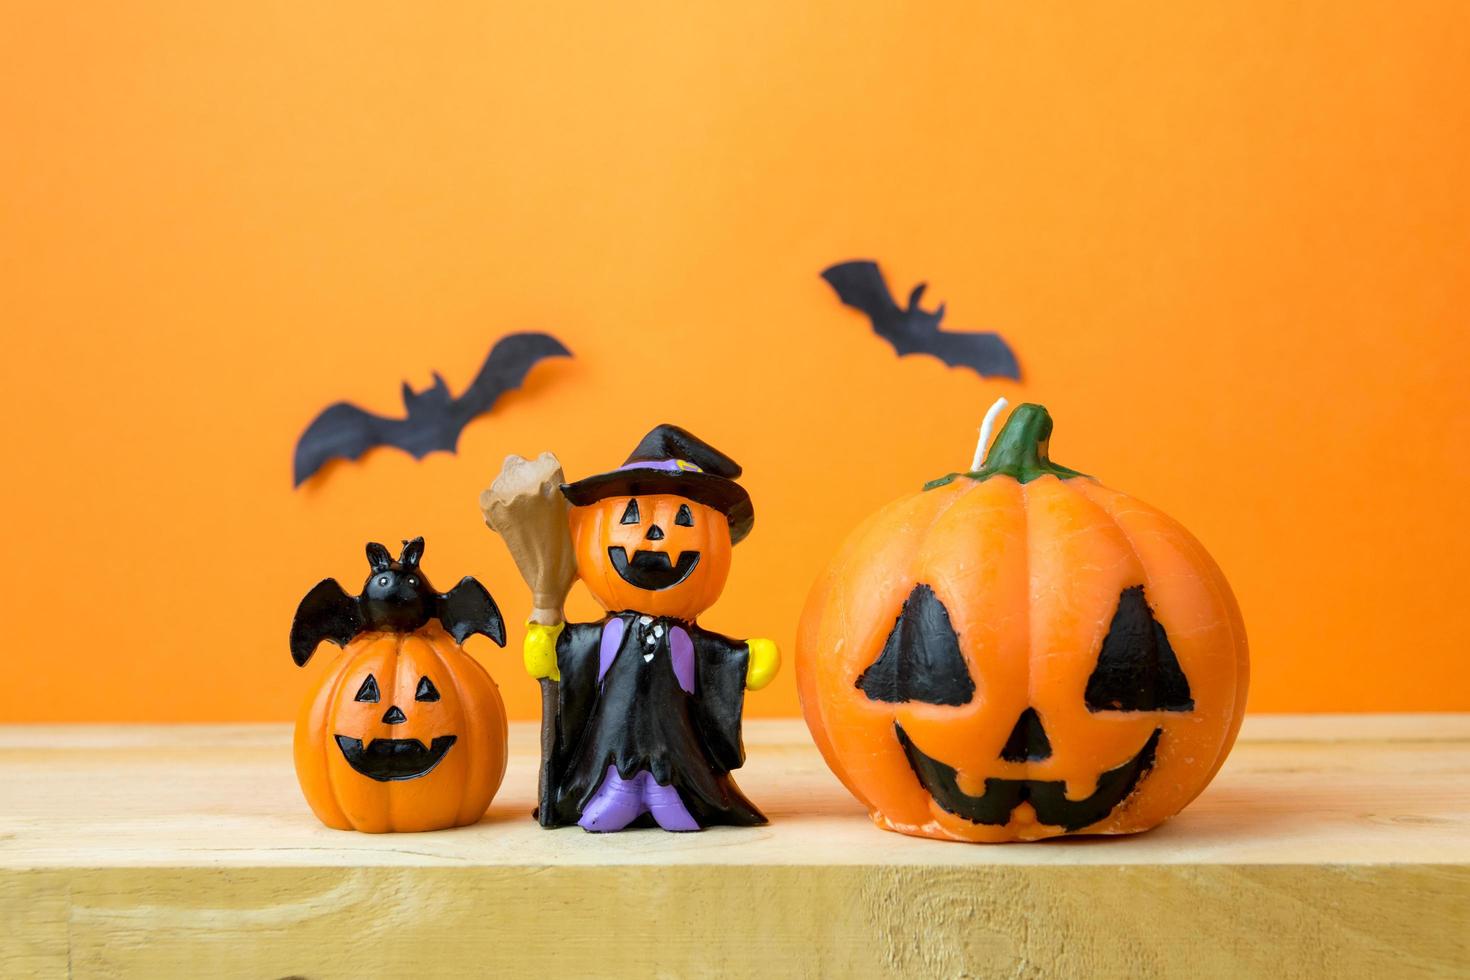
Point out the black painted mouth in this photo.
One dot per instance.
(1047, 797)
(652, 570)
(390, 760)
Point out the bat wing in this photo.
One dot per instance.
(987, 354)
(327, 613)
(467, 609)
(506, 367)
(343, 431)
(860, 285)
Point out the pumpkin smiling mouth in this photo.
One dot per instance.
(652, 571)
(1047, 797)
(393, 759)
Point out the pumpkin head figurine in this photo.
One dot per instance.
(1018, 652)
(656, 535)
(408, 732)
(641, 710)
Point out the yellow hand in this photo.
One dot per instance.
(765, 661)
(539, 650)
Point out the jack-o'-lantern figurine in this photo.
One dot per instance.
(641, 710)
(1018, 652)
(408, 732)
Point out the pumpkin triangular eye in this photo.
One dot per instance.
(1137, 669)
(369, 690)
(685, 518)
(426, 691)
(630, 514)
(921, 659)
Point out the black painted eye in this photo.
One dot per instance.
(369, 690)
(921, 660)
(630, 516)
(412, 580)
(1137, 669)
(684, 518)
(426, 691)
(383, 580)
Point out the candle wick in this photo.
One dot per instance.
(985, 429)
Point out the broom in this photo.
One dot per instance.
(525, 507)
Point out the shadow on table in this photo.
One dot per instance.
(1221, 815)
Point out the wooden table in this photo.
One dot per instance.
(1328, 846)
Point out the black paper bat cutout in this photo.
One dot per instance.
(435, 419)
(860, 285)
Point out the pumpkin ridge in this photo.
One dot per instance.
(813, 610)
(1221, 748)
(369, 652)
(940, 523)
(851, 552)
(934, 520)
(1031, 613)
(1213, 583)
(471, 745)
(1106, 517)
(400, 640)
(930, 519)
(332, 683)
(400, 644)
(926, 510)
(389, 789)
(329, 722)
(599, 533)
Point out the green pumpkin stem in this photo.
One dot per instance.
(1019, 451)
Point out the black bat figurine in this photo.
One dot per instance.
(435, 419)
(860, 284)
(396, 598)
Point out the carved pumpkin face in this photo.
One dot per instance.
(407, 733)
(659, 554)
(1021, 653)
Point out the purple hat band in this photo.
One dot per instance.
(669, 475)
(668, 465)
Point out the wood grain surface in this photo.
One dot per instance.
(1328, 846)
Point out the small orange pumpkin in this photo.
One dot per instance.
(1019, 652)
(407, 734)
(689, 540)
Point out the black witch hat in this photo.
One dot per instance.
(674, 461)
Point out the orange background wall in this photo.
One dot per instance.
(1229, 241)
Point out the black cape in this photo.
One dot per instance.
(638, 717)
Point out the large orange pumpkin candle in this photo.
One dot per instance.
(1019, 652)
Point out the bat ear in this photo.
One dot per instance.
(378, 557)
(916, 295)
(413, 551)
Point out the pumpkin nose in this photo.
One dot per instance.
(655, 533)
(1027, 741)
(394, 716)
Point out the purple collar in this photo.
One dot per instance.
(677, 642)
